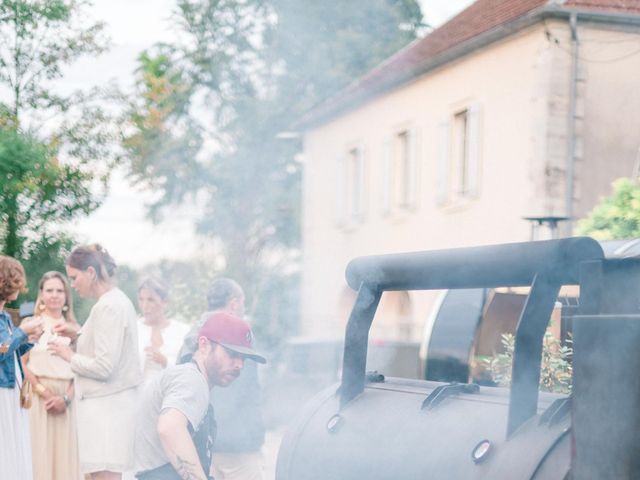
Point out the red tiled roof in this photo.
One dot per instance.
(614, 6)
(480, 17)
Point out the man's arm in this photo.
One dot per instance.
(178, 445)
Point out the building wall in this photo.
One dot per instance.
(607, 113)
(506, 85)
(519, 92)
(609, 61)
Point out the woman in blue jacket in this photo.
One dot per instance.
(15, 444)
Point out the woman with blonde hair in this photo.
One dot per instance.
(106, 366)
(15, 445)
(52, 416)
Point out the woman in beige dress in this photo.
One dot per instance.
(52, 416)
(106, 365)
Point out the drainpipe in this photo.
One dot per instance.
(573, 93)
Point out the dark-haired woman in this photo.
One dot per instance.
(15, 442)
(52, 416)
(159, 337)
(106, 366)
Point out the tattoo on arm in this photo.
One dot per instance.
(187, 470)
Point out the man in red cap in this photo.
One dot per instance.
(240, 431)
(174, 432)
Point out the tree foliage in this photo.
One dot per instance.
(39, 39)
(244, 71)
(36, 192)
(616, 216)
(555, 366)
(163, 141)
(53, 144)
(326, 45)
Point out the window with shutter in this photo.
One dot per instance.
(355, 188)
(386, 178)
(473, 151)
(461, 153)
(443, 163)
(412, 170)
(463, 161)
(341, 191)
(400, 171)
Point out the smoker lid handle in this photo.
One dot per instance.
(511, 264)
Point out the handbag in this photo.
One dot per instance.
(26, 394)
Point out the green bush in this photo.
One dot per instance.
(555, 368)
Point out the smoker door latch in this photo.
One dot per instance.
(559, 409)
(374, 377)
(444, 391)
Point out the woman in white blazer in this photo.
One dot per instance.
(106, 366)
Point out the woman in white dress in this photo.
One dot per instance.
(15, 442)
(106, 365)
(160, 338)
(52, 416)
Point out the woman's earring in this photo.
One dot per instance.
(41, 306)
(65, 308)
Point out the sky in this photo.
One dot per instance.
(120, 224)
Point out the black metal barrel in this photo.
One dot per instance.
(379, 428)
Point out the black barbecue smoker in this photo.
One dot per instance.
(379, 428)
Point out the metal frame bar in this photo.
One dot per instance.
(356, 340)
(525, 371)
(545, 265)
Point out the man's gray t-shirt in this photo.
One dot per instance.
(182, 387)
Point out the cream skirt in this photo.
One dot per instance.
(106, 428)
(15, 442)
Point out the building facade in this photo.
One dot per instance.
(512, 109)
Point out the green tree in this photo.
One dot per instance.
(50, 141)
(616, 216)
(249, 69)
(37, 192)
(163, 141)
(39, 39)
(327, 45)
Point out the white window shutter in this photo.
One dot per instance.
(443, 169)
(361, 185)
(386, 178)
(341, 197)
(412, 167)
(473, 145)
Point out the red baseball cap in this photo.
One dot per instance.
(232, 333)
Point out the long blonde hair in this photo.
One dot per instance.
(67, 312)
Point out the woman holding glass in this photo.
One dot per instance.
(106, 365)
(52, 416)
